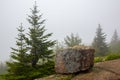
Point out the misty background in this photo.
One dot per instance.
(63, 17)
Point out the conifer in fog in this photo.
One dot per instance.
(99, 42)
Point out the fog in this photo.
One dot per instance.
(62, 18)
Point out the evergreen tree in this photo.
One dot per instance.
(19, 56)
(99, 42)
(114, 44)
(30, 49)
(115, 37)
(72, 40)
(38, 42)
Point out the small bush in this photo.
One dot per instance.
(98, 59)
(112, 57)
(106, 58)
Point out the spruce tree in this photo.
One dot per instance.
(37, 40)
(72, 40)
(114, 44)
(30, 49)
(19, 57)
(99, 43)
(115, 37)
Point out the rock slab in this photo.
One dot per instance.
(73, 60)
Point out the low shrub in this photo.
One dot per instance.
(107, 57)
(112, 57)
(98, 59)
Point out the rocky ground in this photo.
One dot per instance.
(108, 70)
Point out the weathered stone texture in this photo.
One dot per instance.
(74, 59)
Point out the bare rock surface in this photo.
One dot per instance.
(73, 60)
(108, 70)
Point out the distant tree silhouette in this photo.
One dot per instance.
(99, 43)
(58, 46)
(72, 40)
(115, 43)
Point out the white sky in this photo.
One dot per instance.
(62, 18)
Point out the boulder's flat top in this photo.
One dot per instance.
(78, 47)
(108, 70)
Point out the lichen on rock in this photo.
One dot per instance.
(74, 59)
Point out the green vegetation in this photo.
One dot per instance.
(115, 43)
(19, 56)
(30, 73)
(37, 40)
(112, 56)
(3, 68)
(33, 55)
(99, 44)
(72, 40)
(1, 78)
(107, 57)
(98, 59)
(69, 41)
